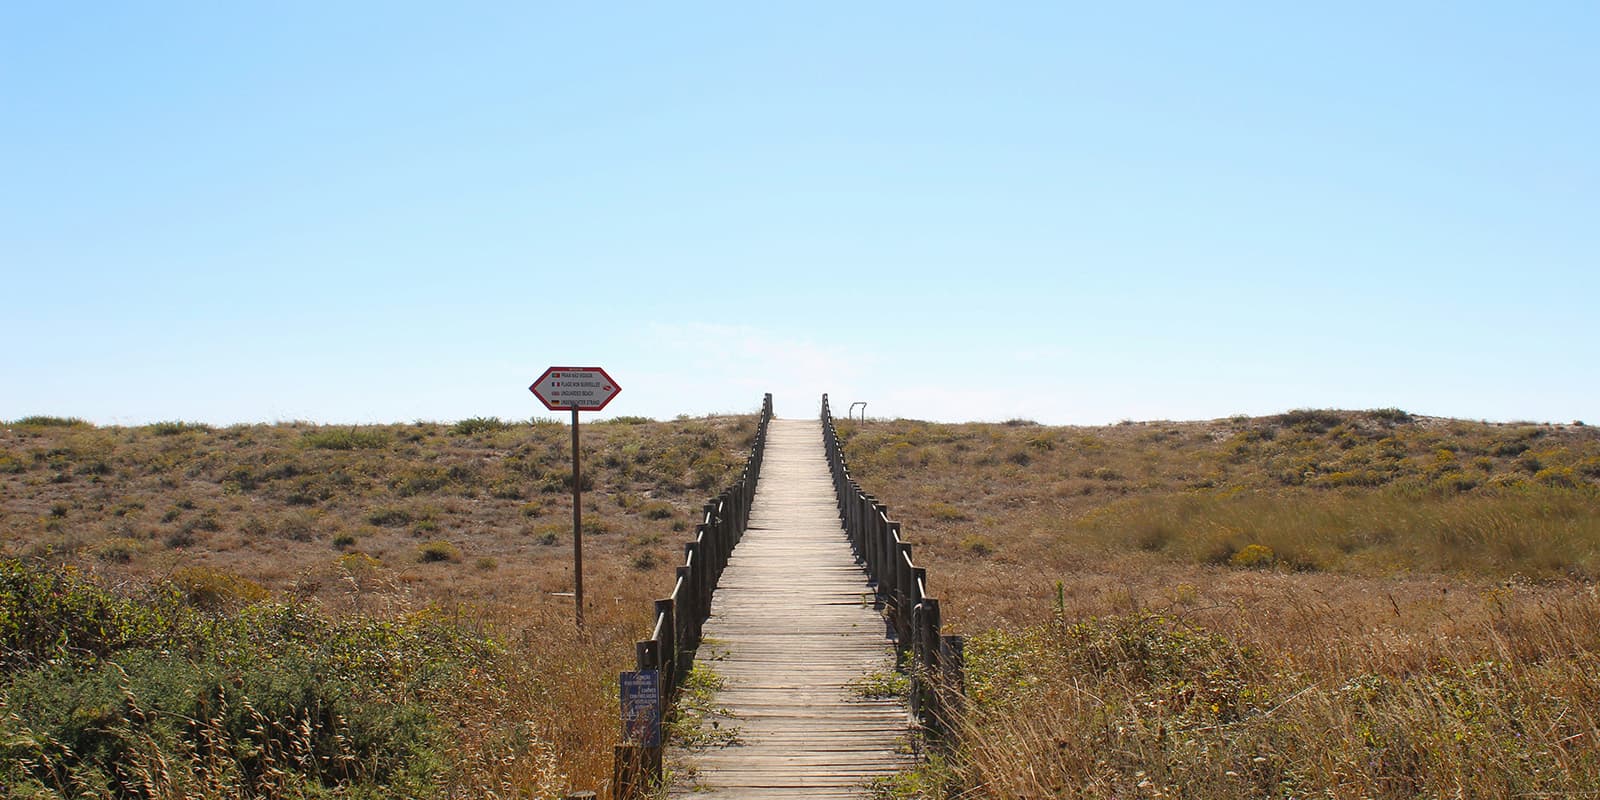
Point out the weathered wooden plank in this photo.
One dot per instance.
(792, 626)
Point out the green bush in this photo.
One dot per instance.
(1390, 415)
(175, 427)
(419, 480)
(1253, 556)
(212, 589)
(389, 517)
(56, 615)
(1311, 420)
(437, 551)
(39, 421)
(657, 509)
(346, 439)
(977, 545)
(468, 427)
(1563, 477)
(107, 696)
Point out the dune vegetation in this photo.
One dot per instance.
(1320, 603)
(1316, 604)
(308, 611)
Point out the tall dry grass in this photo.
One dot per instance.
(1324, 604)
(466, 526)
(1160, 705)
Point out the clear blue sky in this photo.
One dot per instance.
(1071, 212)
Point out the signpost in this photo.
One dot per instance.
(641, 707)
(579, 389)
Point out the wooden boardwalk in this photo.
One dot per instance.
(792, 632)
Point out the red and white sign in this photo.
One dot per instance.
(583, 388)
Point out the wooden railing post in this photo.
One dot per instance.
(952, 681)
(934, 661)
(668, 658)
(635, 771)
(687, 609)
(680, 619)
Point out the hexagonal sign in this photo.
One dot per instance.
(583, 388)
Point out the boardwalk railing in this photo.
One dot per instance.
(679, 617)
(933, 661)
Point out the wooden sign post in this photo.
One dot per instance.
(580, 389)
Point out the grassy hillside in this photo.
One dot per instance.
(1316, 604)
(304, 611)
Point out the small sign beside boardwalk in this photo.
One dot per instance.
(641, 708)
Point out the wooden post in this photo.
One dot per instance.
(635, 771)
(647, 655)
(577, 523)
(952, 680)
(669, 647)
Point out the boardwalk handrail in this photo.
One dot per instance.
(933, 660)
(680, 616)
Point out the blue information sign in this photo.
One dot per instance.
(641, 707)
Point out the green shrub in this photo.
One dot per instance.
(1562, 477)
(1365, 477)
(1253, 556)
(561, 481)
(1311, 420)
(1389, 415)
(977, 545)
(657, 509)
(108, 695)
(437, 551)
(1510, 449)
(213, 589)
(54, 614)
(175, 427)
(40, 421)
(389, 517)
(468, 427)
(506, 490)
(358, 563)
(117, 549)
(345, 439)
(419, 480)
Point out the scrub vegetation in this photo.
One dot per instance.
(306, 611)
(1320, 603)
(1315, 604)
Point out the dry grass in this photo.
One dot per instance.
(1317, 604)
(468, 524)
(1220, 610)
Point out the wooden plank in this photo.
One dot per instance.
(792, 626)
